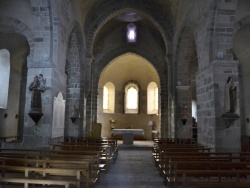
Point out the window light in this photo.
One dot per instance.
(4, 77)
(131, 32)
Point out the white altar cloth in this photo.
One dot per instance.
(128, 134)
(131, 131)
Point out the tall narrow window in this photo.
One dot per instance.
(194, 109)
(152, 98)
(4, 77)
(131, 33)
(131, 98)
(155, 100)
(105, 98)
(109, 98)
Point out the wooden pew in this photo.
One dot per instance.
(87, 166)
(24, 150)
(181, 141)
(104, 152)
(81, 165)
(164, 165)
(181, 167)
(93, 159)
(86, 156)
(159, 157)
(27, 179)
(110, 141)
(91, 178)
(165, 158)
(88, 150)
(111, 145)
(211, 178)
(171, 174)
(159, 151)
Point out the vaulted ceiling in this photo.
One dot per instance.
(168, 14)
(173, 7)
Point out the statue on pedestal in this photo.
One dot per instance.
(230, 102)
(37, 87)
(184, 113)
(230, 96)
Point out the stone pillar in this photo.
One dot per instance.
(38, 135)
(163, 115)
(89, 91)
(212, 130)
(171, 107)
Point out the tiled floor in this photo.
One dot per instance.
(134, 168)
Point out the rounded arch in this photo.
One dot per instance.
(185, 68)
(109, 98)
(160, 65)
(143, 52)
(75, 27)
(75, 46)
(187, 28)
(186, 54)
(74, 67)
(14, 25)
(14, 31)
(244, 21)
(131, 97)
(101, 15)
(152, 98)
(133, 83)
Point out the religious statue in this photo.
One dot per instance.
(112, 123)
(184, 113)
(230, 96)
(73, 114)
(229, 115)
(37, 87)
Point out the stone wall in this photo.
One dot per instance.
(209, 32)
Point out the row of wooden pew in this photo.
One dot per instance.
(63, 164)
(187, 164)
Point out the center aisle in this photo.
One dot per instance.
(134, 168)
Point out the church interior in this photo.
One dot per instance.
(175, 69)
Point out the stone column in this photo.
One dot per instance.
(212, 130)
(89, 93)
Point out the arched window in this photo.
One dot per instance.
(131, 32)
(109, 98)
(131, 98)
(4, 77)
(105, 98)
(152, 98)
(194, 109)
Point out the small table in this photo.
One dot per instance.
(128, 134)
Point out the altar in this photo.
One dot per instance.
(128, 134)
